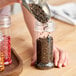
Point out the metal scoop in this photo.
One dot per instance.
(41, 3)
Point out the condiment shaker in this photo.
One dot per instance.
(44, 45)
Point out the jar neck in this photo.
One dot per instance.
(47, 27)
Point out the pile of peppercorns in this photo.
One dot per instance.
(39, 13)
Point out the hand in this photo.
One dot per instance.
(60, 57)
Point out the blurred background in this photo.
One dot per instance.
(63, 10)
(16, 7)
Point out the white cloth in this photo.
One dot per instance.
(65, 12)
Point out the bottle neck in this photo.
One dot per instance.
(47, 27)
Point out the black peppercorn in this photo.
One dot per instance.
(44, 53)
(39, 13)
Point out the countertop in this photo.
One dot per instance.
(64, 37)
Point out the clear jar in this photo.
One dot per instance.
(44, 44)
(5, 39)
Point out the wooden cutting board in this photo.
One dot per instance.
(15, 68)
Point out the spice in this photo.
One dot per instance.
(39, 13)
(1, 61)
(5, 40)
(44, 53)
(5, 46)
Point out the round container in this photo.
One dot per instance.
(5, 39)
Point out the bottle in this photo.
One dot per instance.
(5, 38)
(44, 45)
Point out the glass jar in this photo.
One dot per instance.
(44, 44)
(5, 39)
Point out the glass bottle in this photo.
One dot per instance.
(5, 39)
(44, 44)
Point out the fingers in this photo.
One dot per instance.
(66, 60)
(60, 58)
(33, 60)
(56, 56)
(34, 57)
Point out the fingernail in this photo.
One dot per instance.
(60, 65)
(64, 64)
(55, 63)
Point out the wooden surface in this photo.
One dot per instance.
(64, 36)
(15, 68)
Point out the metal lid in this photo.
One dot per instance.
(5, 21)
